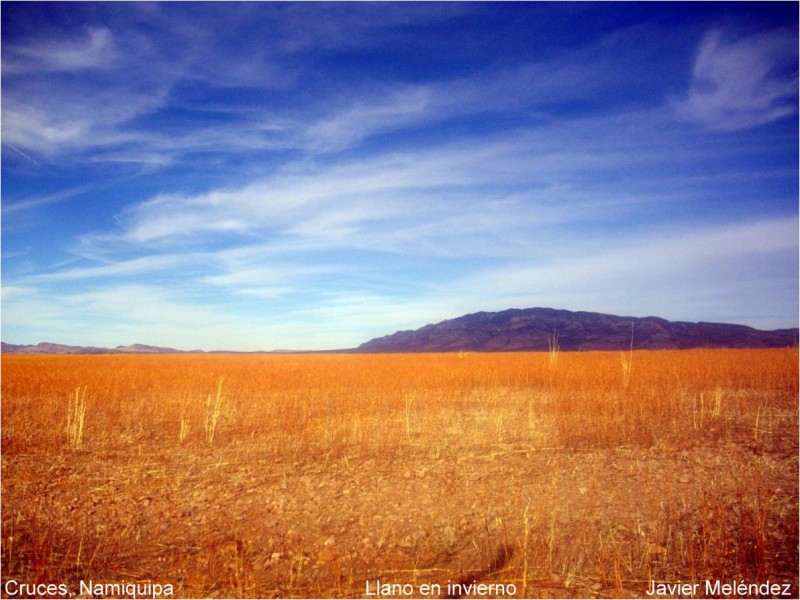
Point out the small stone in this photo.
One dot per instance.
(326, 555)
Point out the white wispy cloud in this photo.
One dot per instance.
(13, 208)
(102, 121)
(743, 82)
(93, 48)
(485, 198)
(493, 185)
(123, 268)
(362, 117)
(53, 122)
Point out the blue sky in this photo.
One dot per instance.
(260, 176)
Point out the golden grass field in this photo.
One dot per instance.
(596, 474)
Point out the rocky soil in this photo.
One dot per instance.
(229, 522)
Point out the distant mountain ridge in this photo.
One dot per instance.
(536, 328)
(50, 348)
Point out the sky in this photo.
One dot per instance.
(264, 176)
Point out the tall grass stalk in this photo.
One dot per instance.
(526, 533)
(76, 413)
(499, 427)
(552, 345)
(627, 361)
(213, 411)
(409, 397)
(183, 433)
(717, 402)
(756, 431)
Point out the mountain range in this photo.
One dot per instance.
(516, 330)
(542, 328)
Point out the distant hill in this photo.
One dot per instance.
(535, 328)
(145, 349)
(50, 348)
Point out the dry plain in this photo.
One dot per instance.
(596, 474)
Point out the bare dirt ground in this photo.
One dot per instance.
(344, 526)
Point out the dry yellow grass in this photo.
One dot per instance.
(316, 475)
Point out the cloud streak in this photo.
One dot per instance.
(93, 49)
(742, 83)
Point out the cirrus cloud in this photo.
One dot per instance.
(743, 82)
